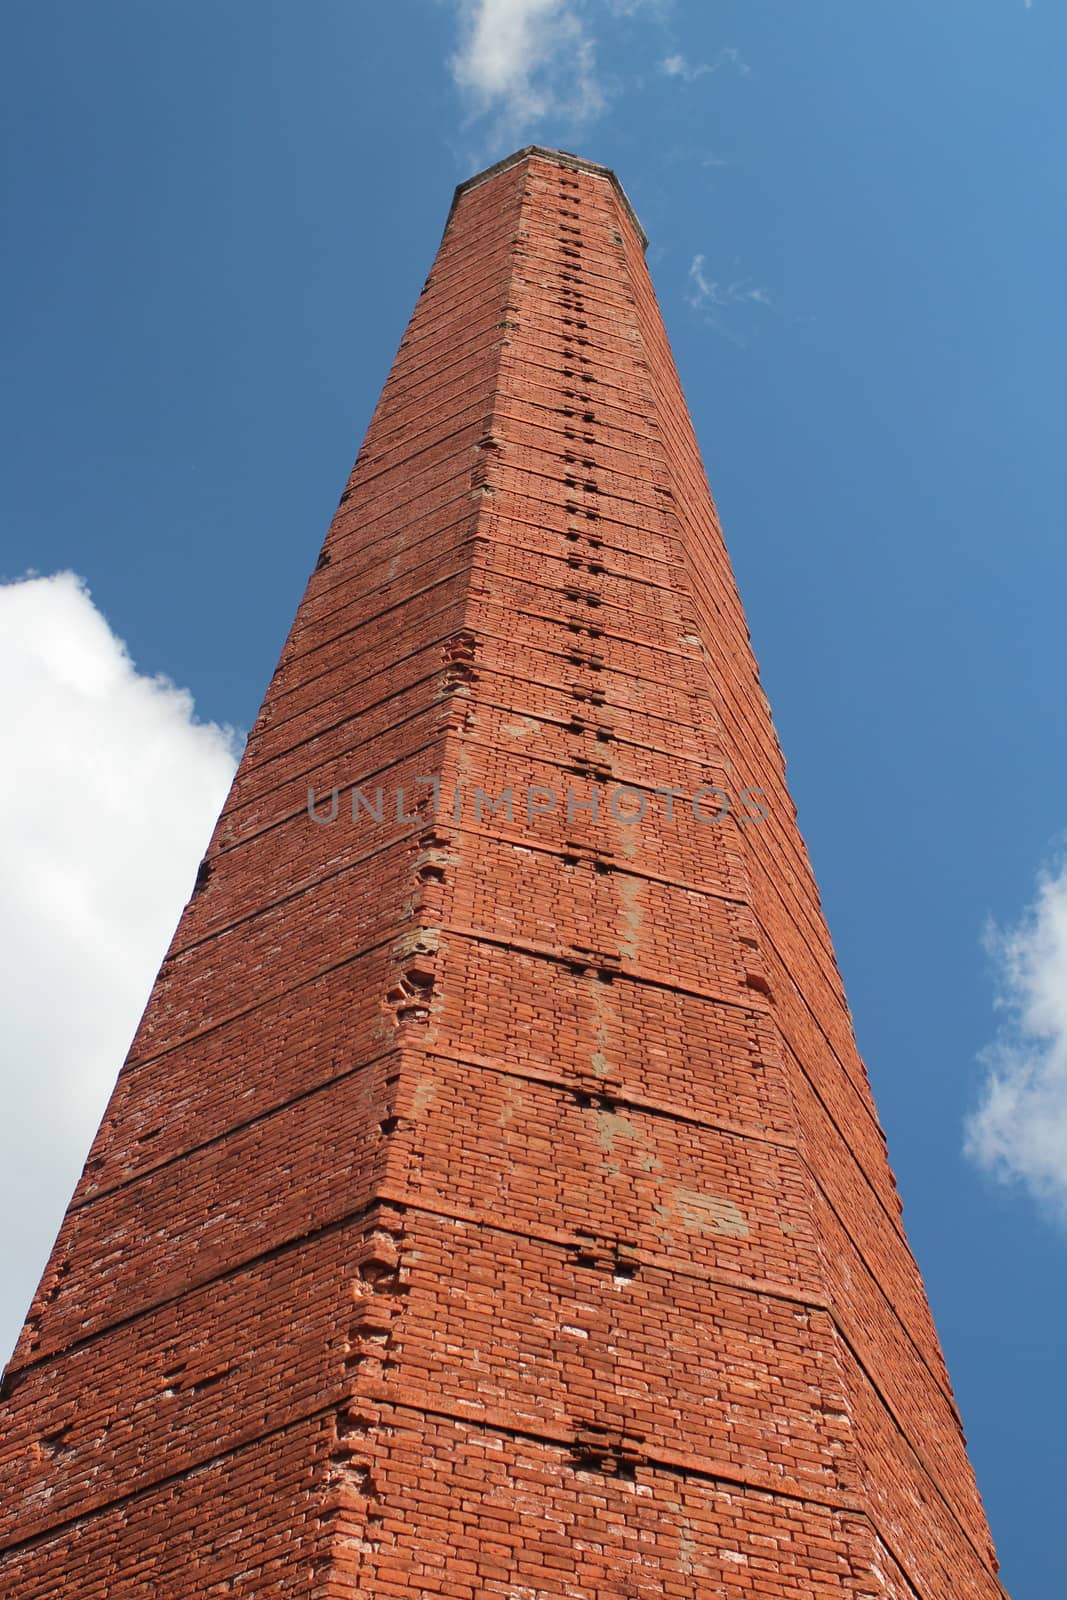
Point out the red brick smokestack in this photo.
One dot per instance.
(495, 1205)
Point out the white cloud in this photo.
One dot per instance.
(1019, 1131)
(718, 301)
(656, 9)
(108, 791)
(676, 66)
(705, 291)
(526, 61)
(701, 157)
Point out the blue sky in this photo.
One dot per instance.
(219, 217)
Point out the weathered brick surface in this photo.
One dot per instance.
(493, 1203)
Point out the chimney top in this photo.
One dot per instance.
(561, 159)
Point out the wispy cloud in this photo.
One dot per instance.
(658, 10)
(1018, 1133)
(709, 292)
(701, 157)
(676, 66)
(714, 298)
(526, 61)
(108, 789)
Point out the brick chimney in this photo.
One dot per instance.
(493, 1202)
